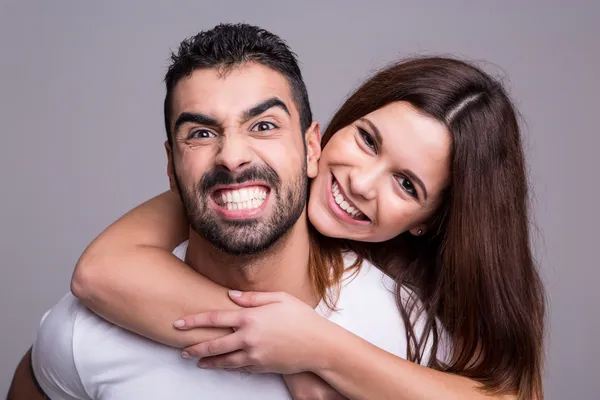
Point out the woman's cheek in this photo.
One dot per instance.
(398, 215)
(346, 148)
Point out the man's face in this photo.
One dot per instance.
(239, 161)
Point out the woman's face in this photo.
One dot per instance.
(381, 176)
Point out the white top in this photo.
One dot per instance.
(78, 355)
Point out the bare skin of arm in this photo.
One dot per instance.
(361, 370)
(278, 333)
(23, 385)
(129, 276)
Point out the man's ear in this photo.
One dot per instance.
(312, 138)
(170, 168)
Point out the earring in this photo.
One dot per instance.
(419, 232)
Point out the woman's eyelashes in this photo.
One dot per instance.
(407, 186)
(370, 143)
(367, 139)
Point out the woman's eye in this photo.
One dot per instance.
(368, 139)
(201, 134)
(263, 126)
(407, 186)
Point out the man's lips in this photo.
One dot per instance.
(233, 186)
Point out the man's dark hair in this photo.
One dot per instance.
(229, 45)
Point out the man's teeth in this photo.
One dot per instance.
(344, 203)
(242, 199)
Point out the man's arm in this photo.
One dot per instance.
(24, 386)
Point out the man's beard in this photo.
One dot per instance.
(248, 236)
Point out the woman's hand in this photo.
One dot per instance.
(274, 333)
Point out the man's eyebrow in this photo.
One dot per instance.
(200, 119)
(413, 177)
(264, 106)
(374, 129)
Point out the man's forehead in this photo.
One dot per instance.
(230, 92)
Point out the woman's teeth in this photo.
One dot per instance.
(344, 203)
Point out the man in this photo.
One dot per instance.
(241, 147)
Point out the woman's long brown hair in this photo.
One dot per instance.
(473, 272)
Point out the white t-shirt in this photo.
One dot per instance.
(78, 355)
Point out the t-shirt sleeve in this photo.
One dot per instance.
(53, 358)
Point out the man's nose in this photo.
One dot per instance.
(234, 152)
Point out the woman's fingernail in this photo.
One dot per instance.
(202, 364)
(179, 323)
(235, 293)
(185, 354)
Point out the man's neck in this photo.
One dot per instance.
(281, 268)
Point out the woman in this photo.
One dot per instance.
(427, 157)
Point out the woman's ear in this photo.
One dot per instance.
(312, 138)
(419, 230)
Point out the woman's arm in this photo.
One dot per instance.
(361, 370)
(129, 276)
(279, 333)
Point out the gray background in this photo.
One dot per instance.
(81, 122)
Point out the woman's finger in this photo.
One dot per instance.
(223, 345)
(233, 360)
(256, 299)
(216, 319)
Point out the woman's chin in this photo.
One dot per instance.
(325, 223)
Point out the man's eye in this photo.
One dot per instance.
(201, 134)
(263, 126)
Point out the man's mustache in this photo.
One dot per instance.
(216, 177)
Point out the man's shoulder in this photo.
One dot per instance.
(79, 355)
(62, 318)
(375, 286)
(68, 305)
(74, 346)
(367, 279)
(66, 319)
(53, 357)
(366, 306)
